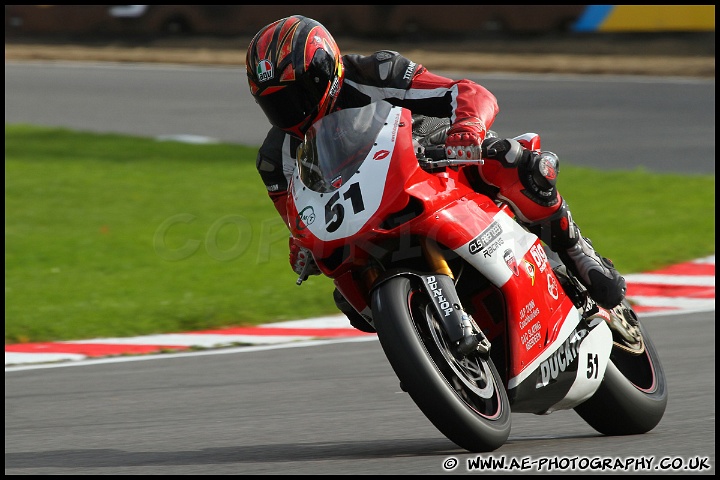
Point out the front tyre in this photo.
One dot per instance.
(633, 395)
(463, 397)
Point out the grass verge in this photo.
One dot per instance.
(110, 235)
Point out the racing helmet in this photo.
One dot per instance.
(294, 72)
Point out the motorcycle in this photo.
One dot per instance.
(476, 316)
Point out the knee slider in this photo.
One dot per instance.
(545, 167)
(538, 174)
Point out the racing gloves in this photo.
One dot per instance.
(300, 257)
(464, 139)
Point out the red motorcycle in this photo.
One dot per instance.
(476, 316)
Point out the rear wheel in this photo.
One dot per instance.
(633, 395)
(462, 396)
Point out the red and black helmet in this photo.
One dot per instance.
(295, 72)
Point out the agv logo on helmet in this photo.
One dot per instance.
(265, 71)
(295, 72)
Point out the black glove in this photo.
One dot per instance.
(430, 130)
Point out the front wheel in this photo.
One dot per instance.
(462, 396)
(633, 395)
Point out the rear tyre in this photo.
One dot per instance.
(462, 397)
(633, 395)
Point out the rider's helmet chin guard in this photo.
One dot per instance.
(295, 72)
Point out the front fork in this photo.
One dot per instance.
(440, 287)
(470, 336)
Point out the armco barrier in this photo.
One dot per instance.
(646, 18)
(366, 21)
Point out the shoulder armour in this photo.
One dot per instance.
(385, 68)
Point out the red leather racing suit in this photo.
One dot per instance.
(384, 75)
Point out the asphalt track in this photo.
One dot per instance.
(335, 407)
(322, 408)
(664, 124)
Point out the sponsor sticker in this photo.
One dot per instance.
(540, 257)
(380, 155)
(438, 295)
(305, 218)
(265, 71)
(511, 262)
(485, 239)
(528, 313)
(563, 359)
(409, 71)
(553, 288)
(530, 269)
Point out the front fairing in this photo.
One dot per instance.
(336, 146)
(343, 173)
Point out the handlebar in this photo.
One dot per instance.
(434, 157)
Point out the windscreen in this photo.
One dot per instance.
(337, 144)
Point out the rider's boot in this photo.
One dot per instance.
(526, 180)
(598, 274)
(356, 320)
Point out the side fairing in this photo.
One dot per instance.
(538, 310)
(568, 372)
(497, 251)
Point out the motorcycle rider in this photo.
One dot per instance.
(297, 75)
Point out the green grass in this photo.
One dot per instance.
(109, 235)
